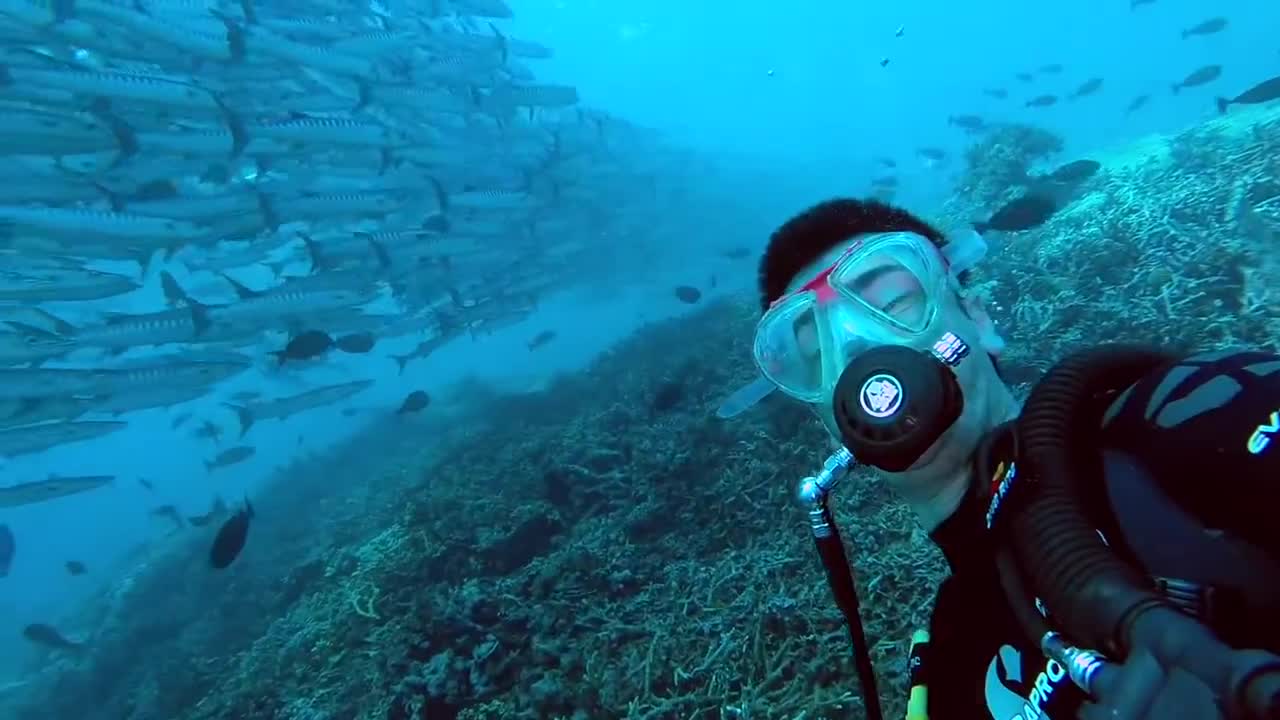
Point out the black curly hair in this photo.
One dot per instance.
(816, 231)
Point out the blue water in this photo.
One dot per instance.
(796, 102)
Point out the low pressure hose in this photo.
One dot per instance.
(1091, 590)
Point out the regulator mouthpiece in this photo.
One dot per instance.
(892, 403)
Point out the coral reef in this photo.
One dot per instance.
(998, 165)
(606, 547)
(1165, 245)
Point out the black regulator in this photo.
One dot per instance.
(892, 403)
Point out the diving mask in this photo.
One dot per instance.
(868, 337)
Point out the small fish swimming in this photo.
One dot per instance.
(75, 567)
(1208, 27)
(1201, 76)
(50, 637)
(1026, 212)
(414, 402)
(688, 294)
(1137, 103)
(305, 346)
(970, 123)
(1087, 88)
(541, 339)
(231, 456)
(932, 154)
(231, 538)
(1042, 101)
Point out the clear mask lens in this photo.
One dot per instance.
(883, 293)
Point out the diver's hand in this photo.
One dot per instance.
(1141, 689)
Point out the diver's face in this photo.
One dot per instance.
(986, 399)
(985, 406)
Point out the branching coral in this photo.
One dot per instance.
(999, 163)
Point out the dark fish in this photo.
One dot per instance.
(1208, 27)
(8, 546)
(231, 536)
(1087, 88)
(1042, 101)
(887, 162)
(75, 567)
(49, 636)
(1202, 76)
(414, 402)
(688, 295)
(1025, 76)
(668, 395)
(541, 339)
(1075, 172)
(886, 181)
(361, 342)
(884, 62)
(305, 346)
(1051, 69)
(739, 253)
(1139, 3)
(1265, 91)
(178, 421)
(933, 154)
(967, 122)
(231, 456)
(1137, 103)
(997, 93)
(1024, 213)
(146, 484)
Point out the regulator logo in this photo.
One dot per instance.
(881, 395)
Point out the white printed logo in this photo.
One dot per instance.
(1010, 697)
(1262, 435)
(881, 395)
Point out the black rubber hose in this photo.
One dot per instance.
(1090, 590)
(840, 577)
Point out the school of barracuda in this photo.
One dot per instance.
(359, 151)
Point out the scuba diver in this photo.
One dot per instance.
(1113, 545)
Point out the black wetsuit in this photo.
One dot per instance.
(1204, 427)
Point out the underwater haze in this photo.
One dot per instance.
(318, 319)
